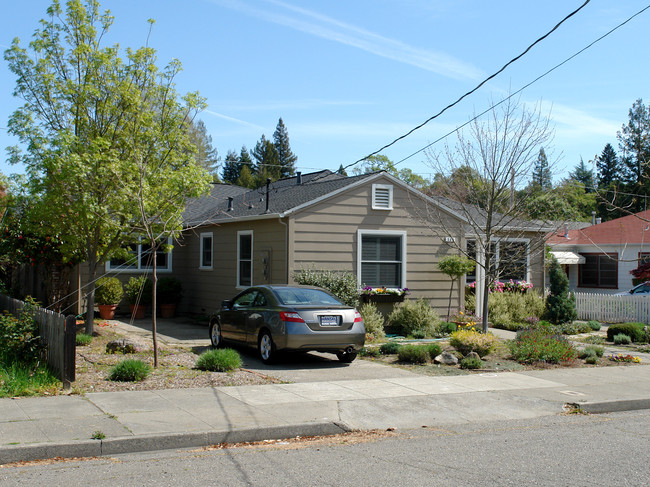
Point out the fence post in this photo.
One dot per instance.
(69, 350)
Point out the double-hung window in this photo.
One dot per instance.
(599, 271)
(382, 258)
(509, 259)
(206, 251)
(245, 258)
(140, 258)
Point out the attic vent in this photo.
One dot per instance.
(382, 197)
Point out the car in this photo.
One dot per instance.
(641, 289)
(279, 318)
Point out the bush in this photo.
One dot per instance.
(390, 348)
(575, 328)
(414, 317)
(413, 354)
(82, 339)
(108, 290)
(466, 341)
(471, 363)
(139, 290)
(374, 322)
(19, 337)
(595, 339)
(513, 311)
(343, 285)
(591, 360)
(537, 345)
(219, 360)
(593, 350)
(594, 325)
(370, 352)
(169, 290)
(622, 339)
(560, 304)
(129, 370)
(433, 349)
(446, 328)
(633, 330)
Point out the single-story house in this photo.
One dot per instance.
(599, 258)
(373, 225)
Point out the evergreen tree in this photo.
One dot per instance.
(607, 166)
(560, 304)
(246, 178)
(267, 162)
(245, 159)
(205, 155)
(286, 158)
(231, 168)
(341, 171)
(634, 142)
(541, 172)
(583, 175)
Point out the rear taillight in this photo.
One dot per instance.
(291, 317)
(357, 317)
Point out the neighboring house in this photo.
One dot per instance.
(370, 224)
(599, 258)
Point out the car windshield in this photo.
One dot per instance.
(292, 296)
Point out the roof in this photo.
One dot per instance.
(631, 229)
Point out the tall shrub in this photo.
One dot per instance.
(341, 284)
(414, 317)
(560, 305)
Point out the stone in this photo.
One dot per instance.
(446, 358)
(122, 345)
(473, 355)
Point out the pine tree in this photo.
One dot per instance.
(206, 155)
(608, 167)
(246, 178)
(634, 141)
(286, 158)
(341, 171)
(245, 158)
(541, 172)
(231, 168)
(267, 163)
(560, 305)
(583, 175)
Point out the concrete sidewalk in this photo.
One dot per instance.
(45, 427)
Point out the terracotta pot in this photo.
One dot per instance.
(107, 311)
(138, 311)
(167, 310)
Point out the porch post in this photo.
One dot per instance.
(480, 280)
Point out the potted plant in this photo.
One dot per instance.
(138, 291)
(383, 294)
(169, 292)
(108, 294)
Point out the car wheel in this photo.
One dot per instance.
(215, 334)
(346, 357)
(266, 347)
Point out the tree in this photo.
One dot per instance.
(500, 153)
(286, 158)
(569, 200)
(455, 266)
(205, 155)
(341, 171)
(560, 304)
(246, 178)
(584, 176)
(267, 161)
(634, 142)
(231, 168)
(607, 166)
(542, 173)
(376, 163)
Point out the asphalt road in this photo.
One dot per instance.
(567, 450)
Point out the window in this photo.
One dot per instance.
(382, 258)
(140, 258)
(245, 258)
(509, 259)
(471, 254)
(382, 197)
(206, 251)
(599, 270)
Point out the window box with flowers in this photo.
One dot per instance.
(383, 294)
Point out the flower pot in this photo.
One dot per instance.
(167, 310)
(382, 298)
(107, 311)
(138, 311)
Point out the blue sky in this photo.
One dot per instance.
(347, 77)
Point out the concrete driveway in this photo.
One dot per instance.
(290, 367)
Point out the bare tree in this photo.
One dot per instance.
(476, 180)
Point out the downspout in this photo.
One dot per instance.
(287, 250)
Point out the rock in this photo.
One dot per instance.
(446, 358)
(122, 345)
(473, 355)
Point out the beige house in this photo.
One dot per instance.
(373, 225)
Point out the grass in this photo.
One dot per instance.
(130, 370)
(219, 360)
(20, 380)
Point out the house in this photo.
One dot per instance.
(373, 225)
(599, 258)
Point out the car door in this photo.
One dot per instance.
(255, 318)
(233, 320)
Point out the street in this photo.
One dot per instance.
(574, 449)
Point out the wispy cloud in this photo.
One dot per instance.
(357, 129)
(307, 104)
(326, 27)
(579, 123)
(233, 119)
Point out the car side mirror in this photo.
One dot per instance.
(226, 304)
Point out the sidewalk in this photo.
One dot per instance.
(45, 427)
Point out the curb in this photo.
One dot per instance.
(615, 406)
(134, 444)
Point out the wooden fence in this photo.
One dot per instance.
(608, 308)
(57, 333)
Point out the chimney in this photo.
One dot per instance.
(298, 178)
(268, 192)
(566, 230)
(599, 221)
(230, 203)
(593, 217)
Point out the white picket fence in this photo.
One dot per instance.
(613, 309)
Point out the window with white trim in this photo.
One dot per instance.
(245, 258)
(206, 251)
(140, 258)
(381, 258)
(382, 197)
(509, 259)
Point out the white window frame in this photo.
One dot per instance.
(381, 233)
(138, 268)
(202, 265)
(388, 187)
(239, 260)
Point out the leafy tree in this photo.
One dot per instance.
(267, 161)
(376, 163)
(584, 176)
(541, 178)
(455, 266)
(569, 200)
(286, 157)
(205, 155)
(560, 304)
(231, 168)
(467, 185)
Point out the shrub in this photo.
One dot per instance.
(594, 325)
(595, 339)
(169, 290)
(622, 339)
(446, 328)
(370, 352)
(82, 339)
(466, 341)
(219, 360)
(412, 317)
(591, 360)
(139, 290)
(560, 304)
(471, 363)
(374, 321)
(108, 290)
(575, 328)
(583, 354)
(514, 310)
(594, 350)
(129, 370)
(433, 349)
(19, 337)
(413, 354)
(537, 345)
(343, 285)
(633, 330)
(390, 348)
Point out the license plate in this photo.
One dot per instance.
(329, 321)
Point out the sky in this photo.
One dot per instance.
(348, 77)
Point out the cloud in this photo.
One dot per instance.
(325, 27)
(306, 104)
(579, 123)
(232, 119)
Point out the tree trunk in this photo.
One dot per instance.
(154, 249)
(90, 303)
(451, 290)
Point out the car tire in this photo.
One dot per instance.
(266, 347)
(216, 339)
(346, 357)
